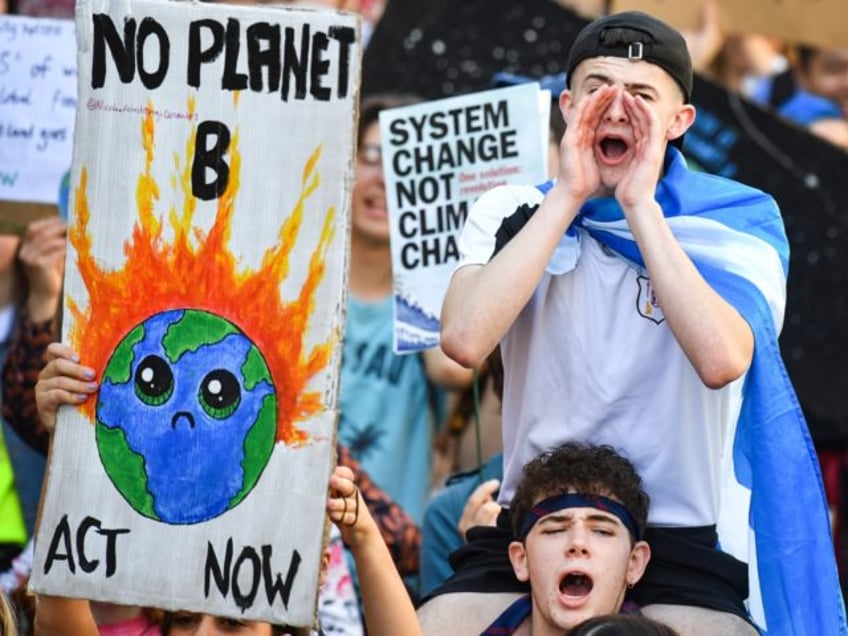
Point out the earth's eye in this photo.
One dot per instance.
(220, 394)
(154, 381)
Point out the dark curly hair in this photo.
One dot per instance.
(621, 625)
(582, 468)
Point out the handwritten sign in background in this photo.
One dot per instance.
(38, 99)
(438, 158)
(209, 222)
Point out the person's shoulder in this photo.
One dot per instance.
(505, 199)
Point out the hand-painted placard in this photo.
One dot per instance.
(205, 284)
(38, 99)
(438, 158)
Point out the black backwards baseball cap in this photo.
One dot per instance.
(636, 36)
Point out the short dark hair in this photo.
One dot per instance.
(370, 107)
(621, 625)
(581, 468)
(276, 630)
(805, 55)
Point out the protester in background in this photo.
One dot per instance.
(26, 281)
(813, 92)
(37, 280)
(30, 276)
(824, 71)
(390, 405)
(821, 99)
(747, 61)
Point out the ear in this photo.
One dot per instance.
(681, 122)
(518, 558)
(566, 103)
(640, 554)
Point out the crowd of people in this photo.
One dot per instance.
(605, 334)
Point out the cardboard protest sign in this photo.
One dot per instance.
(823, 22)
(38, 98)
(205, 285)
(438, 157)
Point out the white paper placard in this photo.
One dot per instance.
(205, 285)
(38, 99)
(438, 158)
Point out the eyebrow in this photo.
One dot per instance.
(631, 86)
(565, 515)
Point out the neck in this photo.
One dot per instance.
(370, 274)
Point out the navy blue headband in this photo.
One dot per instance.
(577, 500)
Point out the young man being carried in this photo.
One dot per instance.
(578, 516)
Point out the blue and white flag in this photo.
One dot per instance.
(773, 509)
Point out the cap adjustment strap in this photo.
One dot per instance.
(635, 51)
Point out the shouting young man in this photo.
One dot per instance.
(637, 304)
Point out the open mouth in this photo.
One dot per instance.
(576, 584)
(612, 148)
(375, 202)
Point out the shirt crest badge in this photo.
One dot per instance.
(646, 302)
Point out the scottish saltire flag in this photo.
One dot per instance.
(773, 509)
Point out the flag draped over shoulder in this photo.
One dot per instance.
(735, 237)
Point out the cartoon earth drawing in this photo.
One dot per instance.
(186, 416)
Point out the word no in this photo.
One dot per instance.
(277, 59)
(231, 576)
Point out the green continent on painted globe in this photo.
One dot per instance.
(186, 416)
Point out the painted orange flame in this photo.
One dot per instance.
(204, 274)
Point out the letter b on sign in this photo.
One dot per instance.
(211, 144)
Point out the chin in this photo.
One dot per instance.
(608, 187)
(610, 178)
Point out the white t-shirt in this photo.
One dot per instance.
(591, 358)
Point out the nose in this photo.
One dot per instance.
(615, 111)
(206, 627)
(578, 544)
